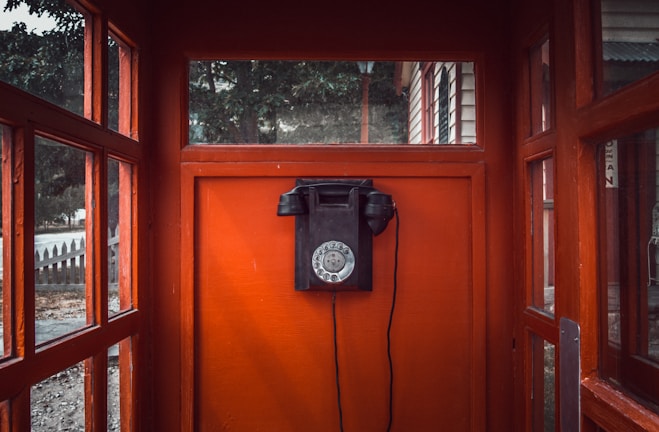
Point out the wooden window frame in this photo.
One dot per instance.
(428, 102)
(25, 363)
(626, 111)
(534, 320)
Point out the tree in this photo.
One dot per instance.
(59, 181)
(289, 101)
(50, 65)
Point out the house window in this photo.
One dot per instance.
(630, 43)
(69, 315)
(629, 262)
(428, 102)
(320, 102)
(443, 109)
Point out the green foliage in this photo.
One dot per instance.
(67, 19)
(289, 101)
(48, 65)
(59, 181)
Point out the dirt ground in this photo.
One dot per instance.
(57, 403)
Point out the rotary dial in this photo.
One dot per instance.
(333, 261)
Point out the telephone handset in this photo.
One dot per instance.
(335, 221)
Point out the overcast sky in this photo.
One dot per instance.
(38, 24)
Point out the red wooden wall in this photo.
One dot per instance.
(234, 346)
(264, 353)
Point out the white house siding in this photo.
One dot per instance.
(466, 95)
(630, 48)
(415, 132)
(630, 20)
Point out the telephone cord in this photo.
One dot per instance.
(391, 318)
(336, 363)
(389, 356)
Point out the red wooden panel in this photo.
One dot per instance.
(263, 353)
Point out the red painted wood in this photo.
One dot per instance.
(266, 164)
(580, 124)
(127, 230)
(179, 329)
(127, 405)
(4, 415)
(264, 352)
(7, 240)
(613, 411)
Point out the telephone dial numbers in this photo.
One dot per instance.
(333, 261)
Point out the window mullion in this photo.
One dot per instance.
(127, 377)
(125, 257)
(125, 89)
(20, 414)
(96, 272)
(23, 281)
(96, 75)
(8, 241)
(96, 384)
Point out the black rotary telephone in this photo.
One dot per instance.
(335, 221)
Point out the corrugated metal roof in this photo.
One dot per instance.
(631, 51)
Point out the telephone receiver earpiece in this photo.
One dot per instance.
(292, 203)
(378, 211)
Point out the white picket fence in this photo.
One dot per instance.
(63, 267)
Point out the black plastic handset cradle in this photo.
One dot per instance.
(335, 221)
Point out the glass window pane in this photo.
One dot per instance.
(113, 84)
(42, 52)
(541, 175)
(629, 258)
(121, 79)
(119, 236)
(544, 385)
(58, 402)
(316, 102)
(60, 244)
(611, 227)
(541, 91)
(630, 42)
